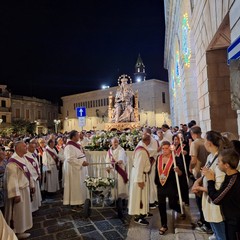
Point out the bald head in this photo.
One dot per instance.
(20, 148)
(146, 138)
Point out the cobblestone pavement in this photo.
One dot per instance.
(54, 221)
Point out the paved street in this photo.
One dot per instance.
(55, 221)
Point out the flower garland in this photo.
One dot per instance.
(92, 183)
(102, 141)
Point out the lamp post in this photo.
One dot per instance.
(56, 122)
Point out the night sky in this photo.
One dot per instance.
(54, 48)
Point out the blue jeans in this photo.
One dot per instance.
(219, 230)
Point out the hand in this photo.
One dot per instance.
(84, 164)
(178, 171)
(17, 199)
(184, 152)
(108, 169)
(208, 173)
(32, 190)
(172, 147)
(120, 162)
(141, 184)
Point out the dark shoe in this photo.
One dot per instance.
(148, 215)
(152, 206)
(156, 203)
(162, 230)
(141, 221)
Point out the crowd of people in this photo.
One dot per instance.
(164, 164)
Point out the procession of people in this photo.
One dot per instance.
(165, 161)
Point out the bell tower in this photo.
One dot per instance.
(139, 74)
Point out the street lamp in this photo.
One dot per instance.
(105, 87)
(56, 122)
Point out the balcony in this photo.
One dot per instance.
(5, 109)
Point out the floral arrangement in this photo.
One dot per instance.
(101, 141)
(93, 183)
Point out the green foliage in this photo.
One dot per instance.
(23, 127)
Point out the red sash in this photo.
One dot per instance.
(164, 173)
(118, 168)
(179, 150)
(74, 144)
(22, 167)
(31, 160)
(53, 155)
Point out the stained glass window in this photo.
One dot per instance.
(186, 50)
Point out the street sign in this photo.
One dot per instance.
(81, 121)
(81, 111)
(234, 50)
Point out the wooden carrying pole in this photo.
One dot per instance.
(184, 160)
(177, 180)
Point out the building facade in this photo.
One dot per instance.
(5, 107)
(15, 107)
(198, 34)
(153, 96)
(32, 109)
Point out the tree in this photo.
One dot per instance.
(22, 126)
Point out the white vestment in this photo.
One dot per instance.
(36, 197)
(6, 233)
(75, 190)
(50, 179)
(139, 173)
(118, 154)
(152, 149)
(17, 184)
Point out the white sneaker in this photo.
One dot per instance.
(212, 237)
(23, 235)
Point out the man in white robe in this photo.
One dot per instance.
(139, 185)
(18, 181)
(50, 168)
(33, 166)
(152, 148)
(75, 172)
(6, 233)
(117, 155)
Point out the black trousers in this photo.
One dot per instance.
(232, 229)
(163, 194)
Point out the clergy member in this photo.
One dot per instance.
(33, 166)
(50, 168)
(75, 172)
(117, 156)
(152, 148)
(139, 183)
(18, 181)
